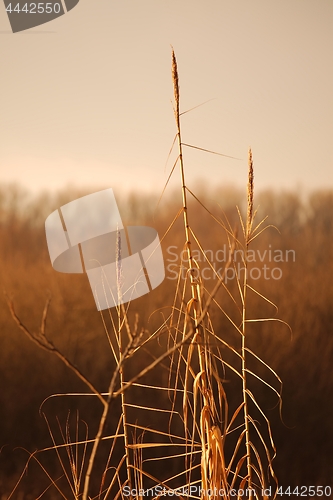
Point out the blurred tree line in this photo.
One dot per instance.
(304, 296)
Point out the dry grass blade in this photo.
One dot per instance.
(209, 151)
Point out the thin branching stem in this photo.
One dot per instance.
(44, 343)
(123, 354)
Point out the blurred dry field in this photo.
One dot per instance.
(304, 295)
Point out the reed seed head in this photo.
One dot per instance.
(175, 81)
(250, 190)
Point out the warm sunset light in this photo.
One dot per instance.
(166, 257)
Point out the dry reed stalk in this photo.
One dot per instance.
(121, 356)
(249, 221)
(195, 301)
(209, 476)
(121, 322)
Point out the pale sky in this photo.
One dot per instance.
(86, 98)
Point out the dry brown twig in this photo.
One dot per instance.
(43, 342)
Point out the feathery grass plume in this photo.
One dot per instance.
(250, 192)
(175, 84)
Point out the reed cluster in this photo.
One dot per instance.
(195, 446)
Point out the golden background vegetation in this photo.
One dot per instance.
(304, 296)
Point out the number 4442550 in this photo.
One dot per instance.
(305, 491)
(35, 8)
